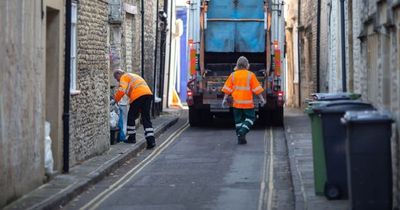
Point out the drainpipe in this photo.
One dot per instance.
(170, 47)
(67, 80)
(155, 62)
(162, 54)
(343, 40)
(298, 48)
(142, 56)
(318, 44)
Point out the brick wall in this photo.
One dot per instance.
(308, 43)
(89, 125)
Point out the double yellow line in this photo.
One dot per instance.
(99, 199)
(267, 169)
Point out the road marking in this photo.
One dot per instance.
(95, 202)
(271, 170)
(268, 167)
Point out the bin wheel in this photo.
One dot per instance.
(331, 192)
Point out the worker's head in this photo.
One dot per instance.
(118, 73)
(242, 63)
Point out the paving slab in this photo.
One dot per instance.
(298, 136)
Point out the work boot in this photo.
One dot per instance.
(151, 143)
(242, 140)
(131, 140)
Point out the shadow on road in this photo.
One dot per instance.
(219, 123)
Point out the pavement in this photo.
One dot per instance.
(298, 137)
(64, 187)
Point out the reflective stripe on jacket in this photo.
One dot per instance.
(133, 86)
(242, 84)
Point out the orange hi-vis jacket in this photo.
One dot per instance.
(133, 86)
(242, 84)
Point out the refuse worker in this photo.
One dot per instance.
(241, 84)
(140, 97)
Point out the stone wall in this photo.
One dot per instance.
(372, 59)
(149, 39)
(377, 76)
(89, 121)
(22, 100)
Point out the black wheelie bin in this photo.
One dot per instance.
(316, 131)
(369, 165)
(334, 136)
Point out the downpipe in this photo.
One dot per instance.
(67, 80)
(343, 40)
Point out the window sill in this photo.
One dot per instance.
(74, 92)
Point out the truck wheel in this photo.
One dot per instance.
(264, 117)
(277, 116)
(194, 117)
(206, 117)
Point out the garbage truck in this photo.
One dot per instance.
(220, 31)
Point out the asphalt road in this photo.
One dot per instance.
(200, 168)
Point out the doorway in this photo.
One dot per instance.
(53, 86)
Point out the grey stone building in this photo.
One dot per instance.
(374, 48)
(31, 80)
(89, 124)
(108, 37)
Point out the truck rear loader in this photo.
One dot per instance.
(220, 31)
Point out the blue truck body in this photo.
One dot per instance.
(226, 30)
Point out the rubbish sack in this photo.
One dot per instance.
(48, 154)
(114, 118)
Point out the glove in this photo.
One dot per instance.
(112, 102)
(224, 103)
(262, 100)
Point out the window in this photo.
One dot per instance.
(74, 18)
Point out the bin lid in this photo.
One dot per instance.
(342, 106)
(335, 96)
(367, 117)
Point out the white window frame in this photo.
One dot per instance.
(73, 75)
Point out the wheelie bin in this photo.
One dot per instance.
(317, 148)
(334, 136)
(334, 96)
(316, 131)
(369, 166)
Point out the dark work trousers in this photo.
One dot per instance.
(244, 120)
(141, 105)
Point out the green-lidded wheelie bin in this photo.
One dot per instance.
(334, 138)
(317, 147)
(316, 133)
(335, 96)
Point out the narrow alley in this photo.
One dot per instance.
(200, 104)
